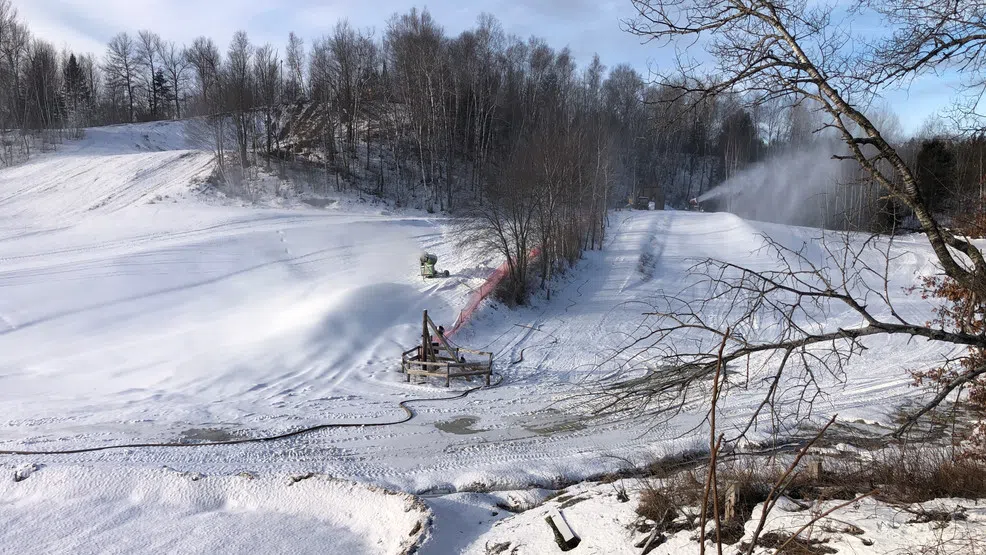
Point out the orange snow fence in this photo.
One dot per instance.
(484, 291)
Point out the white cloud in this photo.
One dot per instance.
(86, 25)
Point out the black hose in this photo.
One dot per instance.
(403, 405)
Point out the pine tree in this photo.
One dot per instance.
(162, 92)
(76, 86)
(936, 173)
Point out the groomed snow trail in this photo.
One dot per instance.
(133, 310)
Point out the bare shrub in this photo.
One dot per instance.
(657, 505)
(915, 475)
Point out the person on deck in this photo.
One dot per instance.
(435, 342)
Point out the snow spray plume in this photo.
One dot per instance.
(788, 188)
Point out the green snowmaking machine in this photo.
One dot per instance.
(428, 270)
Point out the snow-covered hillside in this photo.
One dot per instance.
(127, 319)
(133, 310)
(112, 168)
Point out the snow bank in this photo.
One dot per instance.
(85, 510)
(608, 524)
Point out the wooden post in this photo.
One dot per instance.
(732, 499)
(815, 470)
(448, 375)
(441, 338)
(565, 537)
(425, 340)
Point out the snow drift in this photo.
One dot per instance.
(85, 510)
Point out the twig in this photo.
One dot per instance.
(714, 446)
(771, 500)
(823, 515)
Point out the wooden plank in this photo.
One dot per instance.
(473, 352)
(569, 539)
(426, 373)
(482, 365)
(423, 372)
(566, 532)
(434, 367)
(427, 363)
(732, 499)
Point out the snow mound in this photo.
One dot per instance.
(85, 510)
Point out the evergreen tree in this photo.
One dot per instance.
(76, 89)
(163, 93)
(935, 173)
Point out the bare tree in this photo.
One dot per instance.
(121, 67)
(414, 44)
(238, 90)
(931, 36)
(770, 49)
(149, 63)
(42, 87)
(204, 57)
(268, 84)
(294, 83)
(11, 45)
(507, 222)
(352, 62)
(767, 48)
(176, 67)
(94, 83)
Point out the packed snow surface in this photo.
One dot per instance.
(134, 310)
(128, 510)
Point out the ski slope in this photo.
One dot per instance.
(133, 310)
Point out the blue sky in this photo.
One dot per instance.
(585, 26)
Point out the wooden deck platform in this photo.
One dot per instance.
(434, 357)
